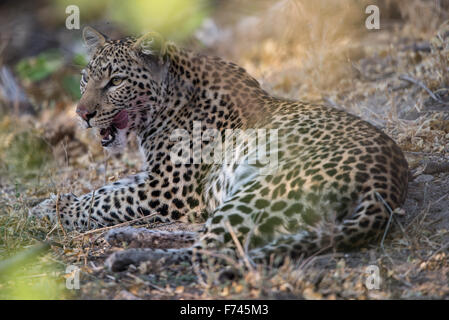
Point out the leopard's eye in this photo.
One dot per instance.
(116, 81)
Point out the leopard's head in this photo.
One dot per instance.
(123, 84)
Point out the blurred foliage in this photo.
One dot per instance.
(79, 60)
(30, 277)
(22, 151)
(27, 268)
(71, 84)
(53, 62)
(30, 274)
(175, 19)
(24, 287)
(41, 66)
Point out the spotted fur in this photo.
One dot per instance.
(336, 181)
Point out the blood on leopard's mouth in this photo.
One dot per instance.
(108, 135)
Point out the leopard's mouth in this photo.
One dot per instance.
(109, 134)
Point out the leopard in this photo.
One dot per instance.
(319, 178)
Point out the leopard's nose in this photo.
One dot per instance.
(84, 113)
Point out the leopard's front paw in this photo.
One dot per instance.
(47, 208)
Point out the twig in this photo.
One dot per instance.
(106, 158)
(50, 232)
(251, 232)
(90, 209)
(58, 213)
(444, 247)
(379, 197)
(114, 226)
(239, 246)
(147, 283)
(423, 86)
(404, 233)
(415, 218)
(64, 146)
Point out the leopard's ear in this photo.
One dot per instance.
(93, 39)
(151, 44)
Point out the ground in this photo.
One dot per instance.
(395, 77)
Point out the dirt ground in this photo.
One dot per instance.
(395, 77)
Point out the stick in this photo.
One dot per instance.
(423, 86)
(90, 208)
(379, 197)
(114, 226)
(444, 247)
(58, 213)
(239, 246)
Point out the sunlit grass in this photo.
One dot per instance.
(175, 19)
(35, 279)
(27, 269)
